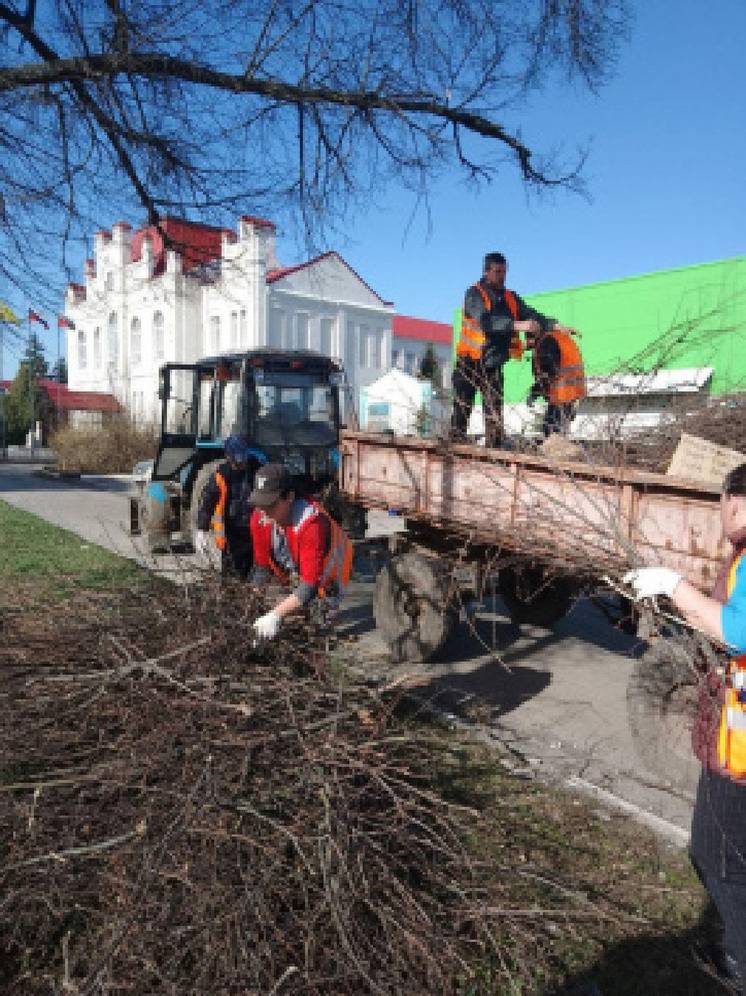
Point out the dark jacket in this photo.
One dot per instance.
(497, 323)
(238, 511)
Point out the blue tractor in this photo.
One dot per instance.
(286, 404)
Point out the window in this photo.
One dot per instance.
(97, 348)
(349, 355)
(135, 342)
(234, 329)
(159, 336)
(244, 328)
(82, 357)
(109, 283)
(215, 334)
(411, 364)
(112, 344)
(397, 359)
(326, 330)
(362, 340)
(371, 350)
(301, 332)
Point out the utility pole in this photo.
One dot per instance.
(3, 447)
(31, 381)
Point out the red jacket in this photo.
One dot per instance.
(308, 542)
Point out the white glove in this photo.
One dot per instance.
(202, 542)
(267, 626)
(651, 581)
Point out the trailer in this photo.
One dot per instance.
(537, 531)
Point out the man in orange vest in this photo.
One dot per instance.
(559, 376)
(224, 511)
(299, 543)
(493, 318)
(718, 838)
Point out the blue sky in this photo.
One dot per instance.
(665, 177)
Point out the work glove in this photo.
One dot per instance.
(651, 581)
(267, 626)
(202, 542)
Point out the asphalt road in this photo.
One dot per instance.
(556, 697)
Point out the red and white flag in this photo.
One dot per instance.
(33, 317)
(65, 323)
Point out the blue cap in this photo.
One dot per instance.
(237, 449)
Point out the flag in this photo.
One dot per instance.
(65, 323)
(33, 317)
(7, 314)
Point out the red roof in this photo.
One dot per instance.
(258, 222)
(404, 327)
(65, 400)
(194, 242)
(284, 271)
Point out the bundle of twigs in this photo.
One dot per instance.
(184, 812)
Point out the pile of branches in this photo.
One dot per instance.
(183, 811)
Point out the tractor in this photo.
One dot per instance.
(284, 402)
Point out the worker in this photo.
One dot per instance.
(298, 542)
(559, 377)
(493, 319)
(718, 835)
(225, 509)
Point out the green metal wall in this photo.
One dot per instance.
(627, 325)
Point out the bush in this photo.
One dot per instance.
(113, 448)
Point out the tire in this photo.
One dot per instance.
(661, 704)
(412, 605)
(533, 597)
(200, 483)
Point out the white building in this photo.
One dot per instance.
(200, 291)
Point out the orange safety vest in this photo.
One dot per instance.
(732, 730)
(568, 384)
(337, 564)
(218, 516)
(472, 339)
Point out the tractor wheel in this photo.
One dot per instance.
(412, 606)
(661, 703)
(200, 483)
(534, 597)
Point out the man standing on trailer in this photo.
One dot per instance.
(493, 318)
(718, 838)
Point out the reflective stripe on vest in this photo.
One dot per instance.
(732, 731)
(568, 384)
(218, 516)
(472, 339)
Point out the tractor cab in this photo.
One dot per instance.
(284, 402)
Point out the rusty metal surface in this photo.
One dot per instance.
(603, 515)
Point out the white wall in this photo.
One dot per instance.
(323, 306)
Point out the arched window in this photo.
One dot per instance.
(135, 342)
(159, 337)
(97, 348)
(112, 343)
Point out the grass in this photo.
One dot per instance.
(57, 562)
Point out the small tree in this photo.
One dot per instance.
(19, 408)
(430, 368)
(59, 371)
(34, 354)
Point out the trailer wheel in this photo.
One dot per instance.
(200, 483)
(412, 605)
(661, 703)
(533, 597)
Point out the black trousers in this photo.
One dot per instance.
(470, 376)
(238, 556)
(557, 418)
(718, 853)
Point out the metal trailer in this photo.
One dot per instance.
(538, 531)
